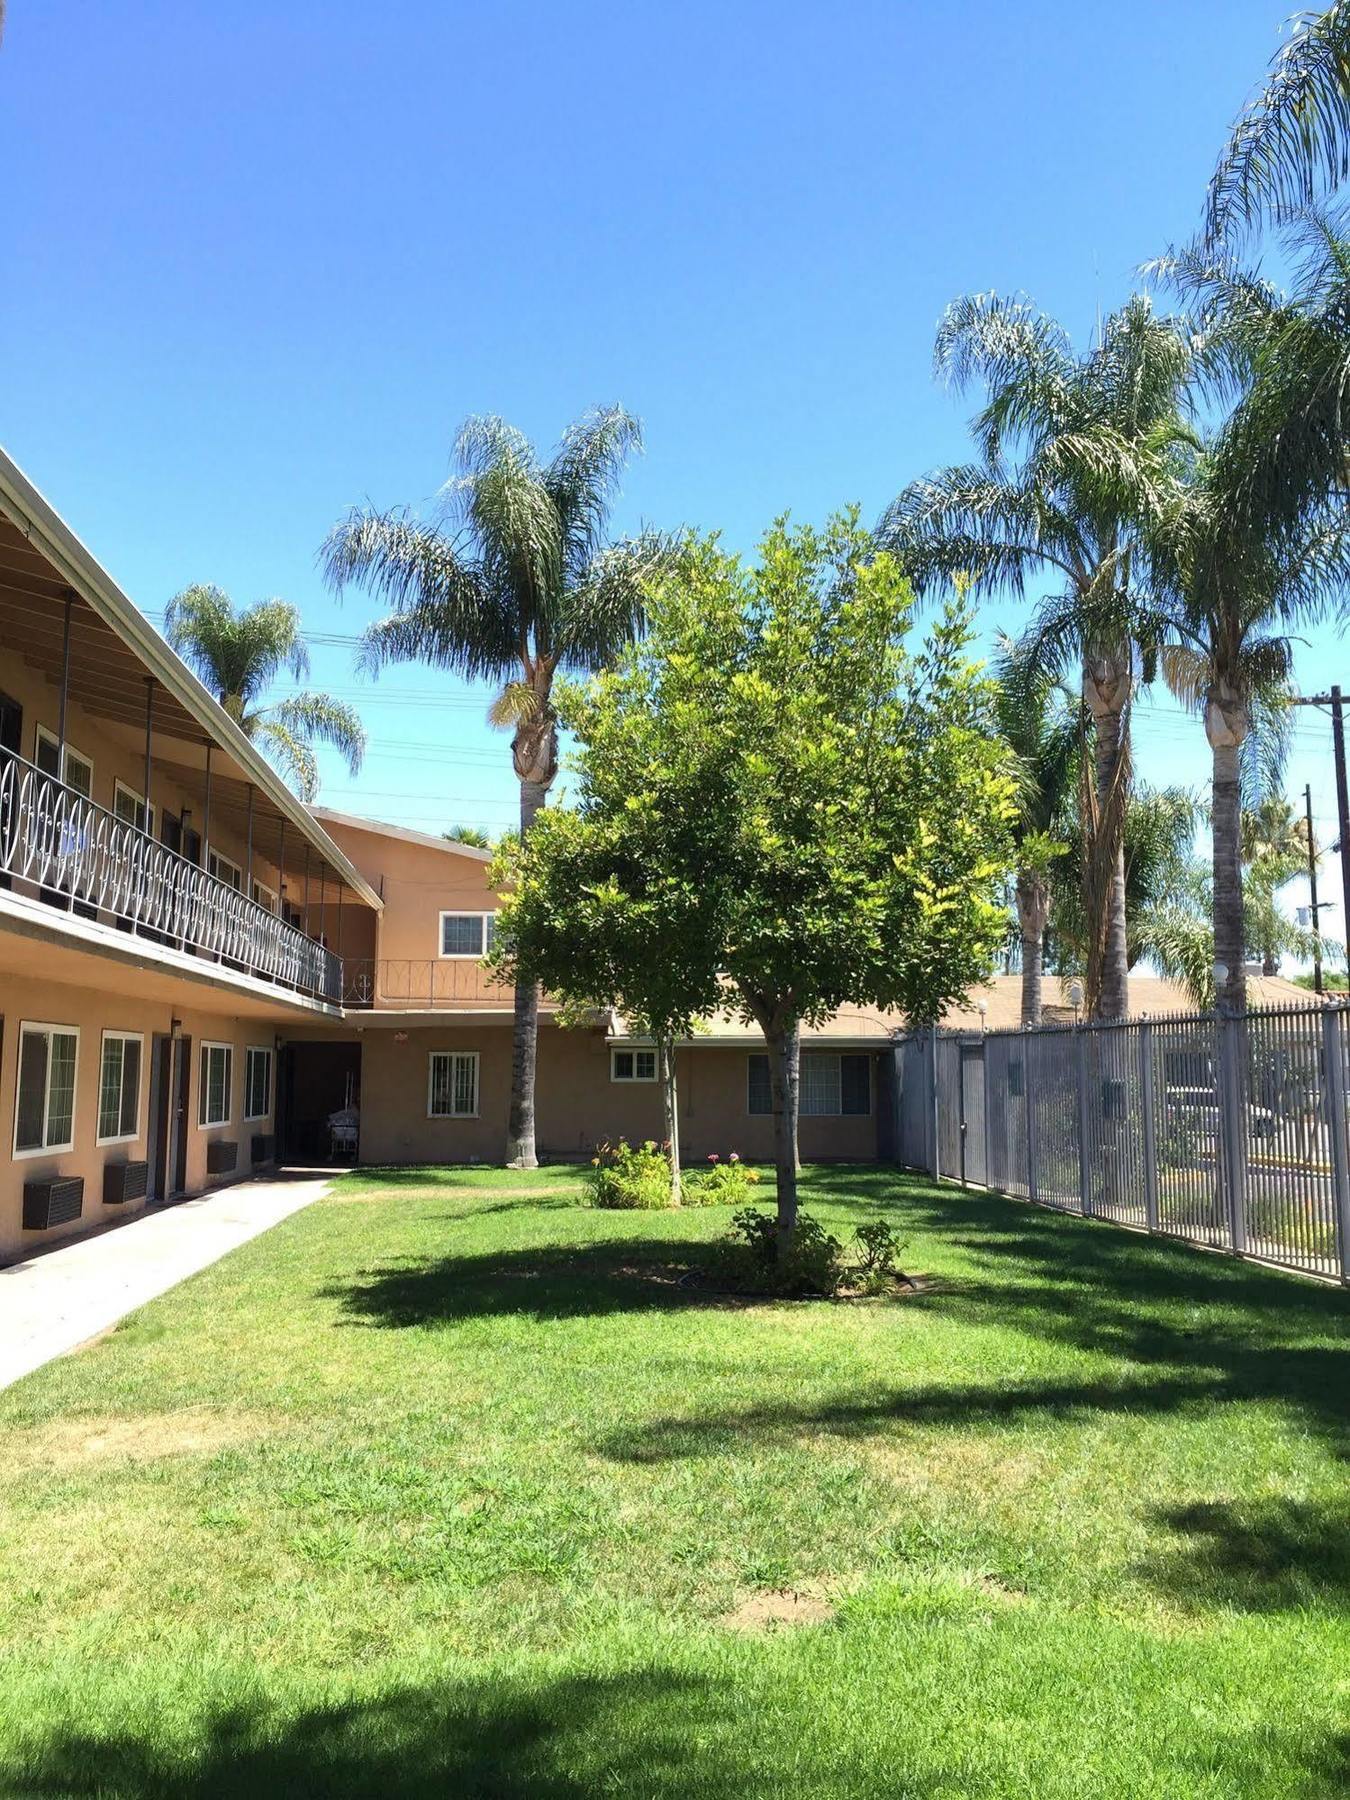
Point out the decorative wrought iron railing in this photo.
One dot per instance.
(83, 858)
(419, 982)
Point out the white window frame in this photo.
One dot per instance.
(120, 787)
(459, 912)
(44, 1148)
(121, 1037)
(44, 733)
(223, 861)
(473, 1057)
(633, 1050)
(251, 1050)
(264, 896)
(204, 1086)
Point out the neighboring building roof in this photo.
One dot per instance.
(380, 829)
(49, 534)
(1151, 994)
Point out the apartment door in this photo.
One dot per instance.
(170, 1075)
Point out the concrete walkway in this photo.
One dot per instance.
(53, 1302)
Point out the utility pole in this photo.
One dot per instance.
(1335, 700)
(1312, 887)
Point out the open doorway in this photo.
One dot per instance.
(316, 1084)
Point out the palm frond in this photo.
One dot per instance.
(235, 652)
(321, 718)
(291, 755)
(582, 479)
(1292, 141)
(517, 702)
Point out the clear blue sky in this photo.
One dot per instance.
(258, 262)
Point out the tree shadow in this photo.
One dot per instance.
(548, 1281)
(573, 1737)
(1263, 1555)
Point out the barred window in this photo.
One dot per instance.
(452, 1084)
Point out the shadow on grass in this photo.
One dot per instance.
(551, 1281)
(575, 1737)
(1275, 1555)
(462, 1177)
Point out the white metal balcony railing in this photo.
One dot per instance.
(80, 856)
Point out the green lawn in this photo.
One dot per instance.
(447, 1486)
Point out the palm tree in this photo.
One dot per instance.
(1230, 587)
(1274, 841)
(1039, 722)
(472, 835)
(1291, 146)
(1093, 434)
(512, 581)
(237, 653)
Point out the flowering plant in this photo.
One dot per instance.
(722, 1183)
(630, 1177)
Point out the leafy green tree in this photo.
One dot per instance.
(780, 804)
(238, 653)
(1274, 844)
(512, 581)
(1090, 434)
(1038, 720)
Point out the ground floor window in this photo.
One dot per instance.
(452, 1084)
(832, 1085)
(257, 1082)
(632, 1065)
(44, 1110)
(217, 1074)
(119, 1087)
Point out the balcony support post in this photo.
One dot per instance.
(206, 814)
(149, 745)
(65, 690)
(249, 852)
(323, 900)
(308, 932)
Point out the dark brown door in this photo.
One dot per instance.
(178, 1122)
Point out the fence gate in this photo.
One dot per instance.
(973, 1149)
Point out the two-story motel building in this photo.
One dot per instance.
(197, 971)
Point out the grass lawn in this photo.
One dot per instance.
(447, 1486)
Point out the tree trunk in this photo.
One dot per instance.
(1033, 910)
(1108, 684)
(783, 1044)
(670, 1102)
(520, 1150)
(1226, 725)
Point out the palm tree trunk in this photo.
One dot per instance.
(520, 1150)
(1107, 686)
(1226, 726)
(1033, 910)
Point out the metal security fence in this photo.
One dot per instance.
(1230, 1132)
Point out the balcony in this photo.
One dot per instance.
(419, 984)
(82, 859)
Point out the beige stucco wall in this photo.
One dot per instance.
(92, 1011)
(577, 1104)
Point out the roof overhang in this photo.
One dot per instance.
(49, 535)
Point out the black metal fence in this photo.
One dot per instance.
(1228, 1132)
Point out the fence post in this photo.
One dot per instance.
(1084, 1160)
(989, 1118)
(1333, 1087)
(1029, 1100)
(1150, 1123)
(933, 1094)
(1233, 1126)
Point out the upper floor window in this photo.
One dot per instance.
(224, 870)
(72, 766)
(832, 1086)
(466, 933)
(44, 1111)
(131, 809)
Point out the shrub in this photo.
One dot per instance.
(630, 1177)
(721, 1183)
(750, 1260)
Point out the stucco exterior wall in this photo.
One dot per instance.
(92, 1012)
(577, 1104)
